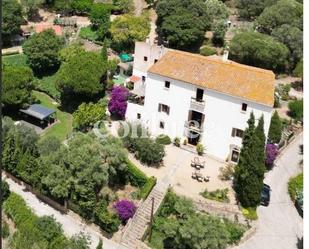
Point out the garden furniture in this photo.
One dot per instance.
(206, 178)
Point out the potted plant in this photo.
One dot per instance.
(177, 141)
(200, 149)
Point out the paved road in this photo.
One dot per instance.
(70, 224)
(279, 224)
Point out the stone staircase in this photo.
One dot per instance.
(136, 227)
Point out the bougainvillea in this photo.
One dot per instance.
(118, 102)
(125, 210)
(271, 154)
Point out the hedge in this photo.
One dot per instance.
(136, 177)
(295, 185)
(146, 189)
(163, 139)
(207, 51)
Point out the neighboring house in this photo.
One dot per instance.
(201, 99)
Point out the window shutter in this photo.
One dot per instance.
(233, 132)
(159, 108)
(168, 110)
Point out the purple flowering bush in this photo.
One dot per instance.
(271, 154)
(125, 210)
(118, 102)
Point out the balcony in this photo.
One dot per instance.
(197, 105)
(194, 126)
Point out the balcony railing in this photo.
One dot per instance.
(194, 126)
(197, 105)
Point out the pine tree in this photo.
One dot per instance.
(275, 129)
(249, 173)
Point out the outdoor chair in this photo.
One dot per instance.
(193, 175)
(206, 178)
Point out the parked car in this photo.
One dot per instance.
(265, 195)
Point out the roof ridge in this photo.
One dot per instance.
(229, 63)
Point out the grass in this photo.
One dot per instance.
(15, 60)
(47, 85)
(64, 125)
(88, 33)
(250, 213)
(220, 195)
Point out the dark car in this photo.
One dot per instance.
(265, 195)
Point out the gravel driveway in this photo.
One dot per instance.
(279, 225)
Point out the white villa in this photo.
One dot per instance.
(200, 99)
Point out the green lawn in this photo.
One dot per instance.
(47, 84)
(15, 60)
(64, 127)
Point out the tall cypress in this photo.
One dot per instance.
(275, 128)
(249, 173)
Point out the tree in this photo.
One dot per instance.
(250, 9)
(100, 19)
(127, 29)
(79, 78)
(31, 7)
(217, 9)
(249, 172)
(12, 19)
(42, 51)
(292, 37)
(48, 145)
(104, 53)
(124, 6)
(182, 23)
(17, 86)
(5, 190)
(82, 6)
(298, 71)
(296, 109)
(219, 28)
(275, 129)
(80, 241)
(49, 227)
(149, 152)
(88, 114)
(283, 12)
(118, 102)
(259, 50)
(68, 52)
(259, 132)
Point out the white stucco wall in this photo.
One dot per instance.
(222, 113)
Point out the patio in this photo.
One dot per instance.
(177, 170)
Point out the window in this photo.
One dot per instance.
(235, 155)
(143, 79)
(139, 116)
(237, 132)
(199, 94)
(244, 107)
(161, 125)
(155, 61)
(164, 108)
(145, 58)
(167, 84)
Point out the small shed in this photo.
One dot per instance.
(42, 113)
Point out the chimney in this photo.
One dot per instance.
(225, 56)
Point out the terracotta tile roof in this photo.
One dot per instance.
(41, 27)
(250, 83)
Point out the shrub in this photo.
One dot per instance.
(146, 189)
(200, 149)
(226, 173)
(5, 190)
(250, 213)
(185, 141)
(207, 51)
(220, 195)
(118, 102)
(163, 139)
(125, 209)
(177, 141)
(296, 109)
(100, 245)
(275, 128)
(149, 152)
(136, 177)
(295, 186)
(271, 154)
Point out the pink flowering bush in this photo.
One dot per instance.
(118, 103)
(271, 154)
(125, 210)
